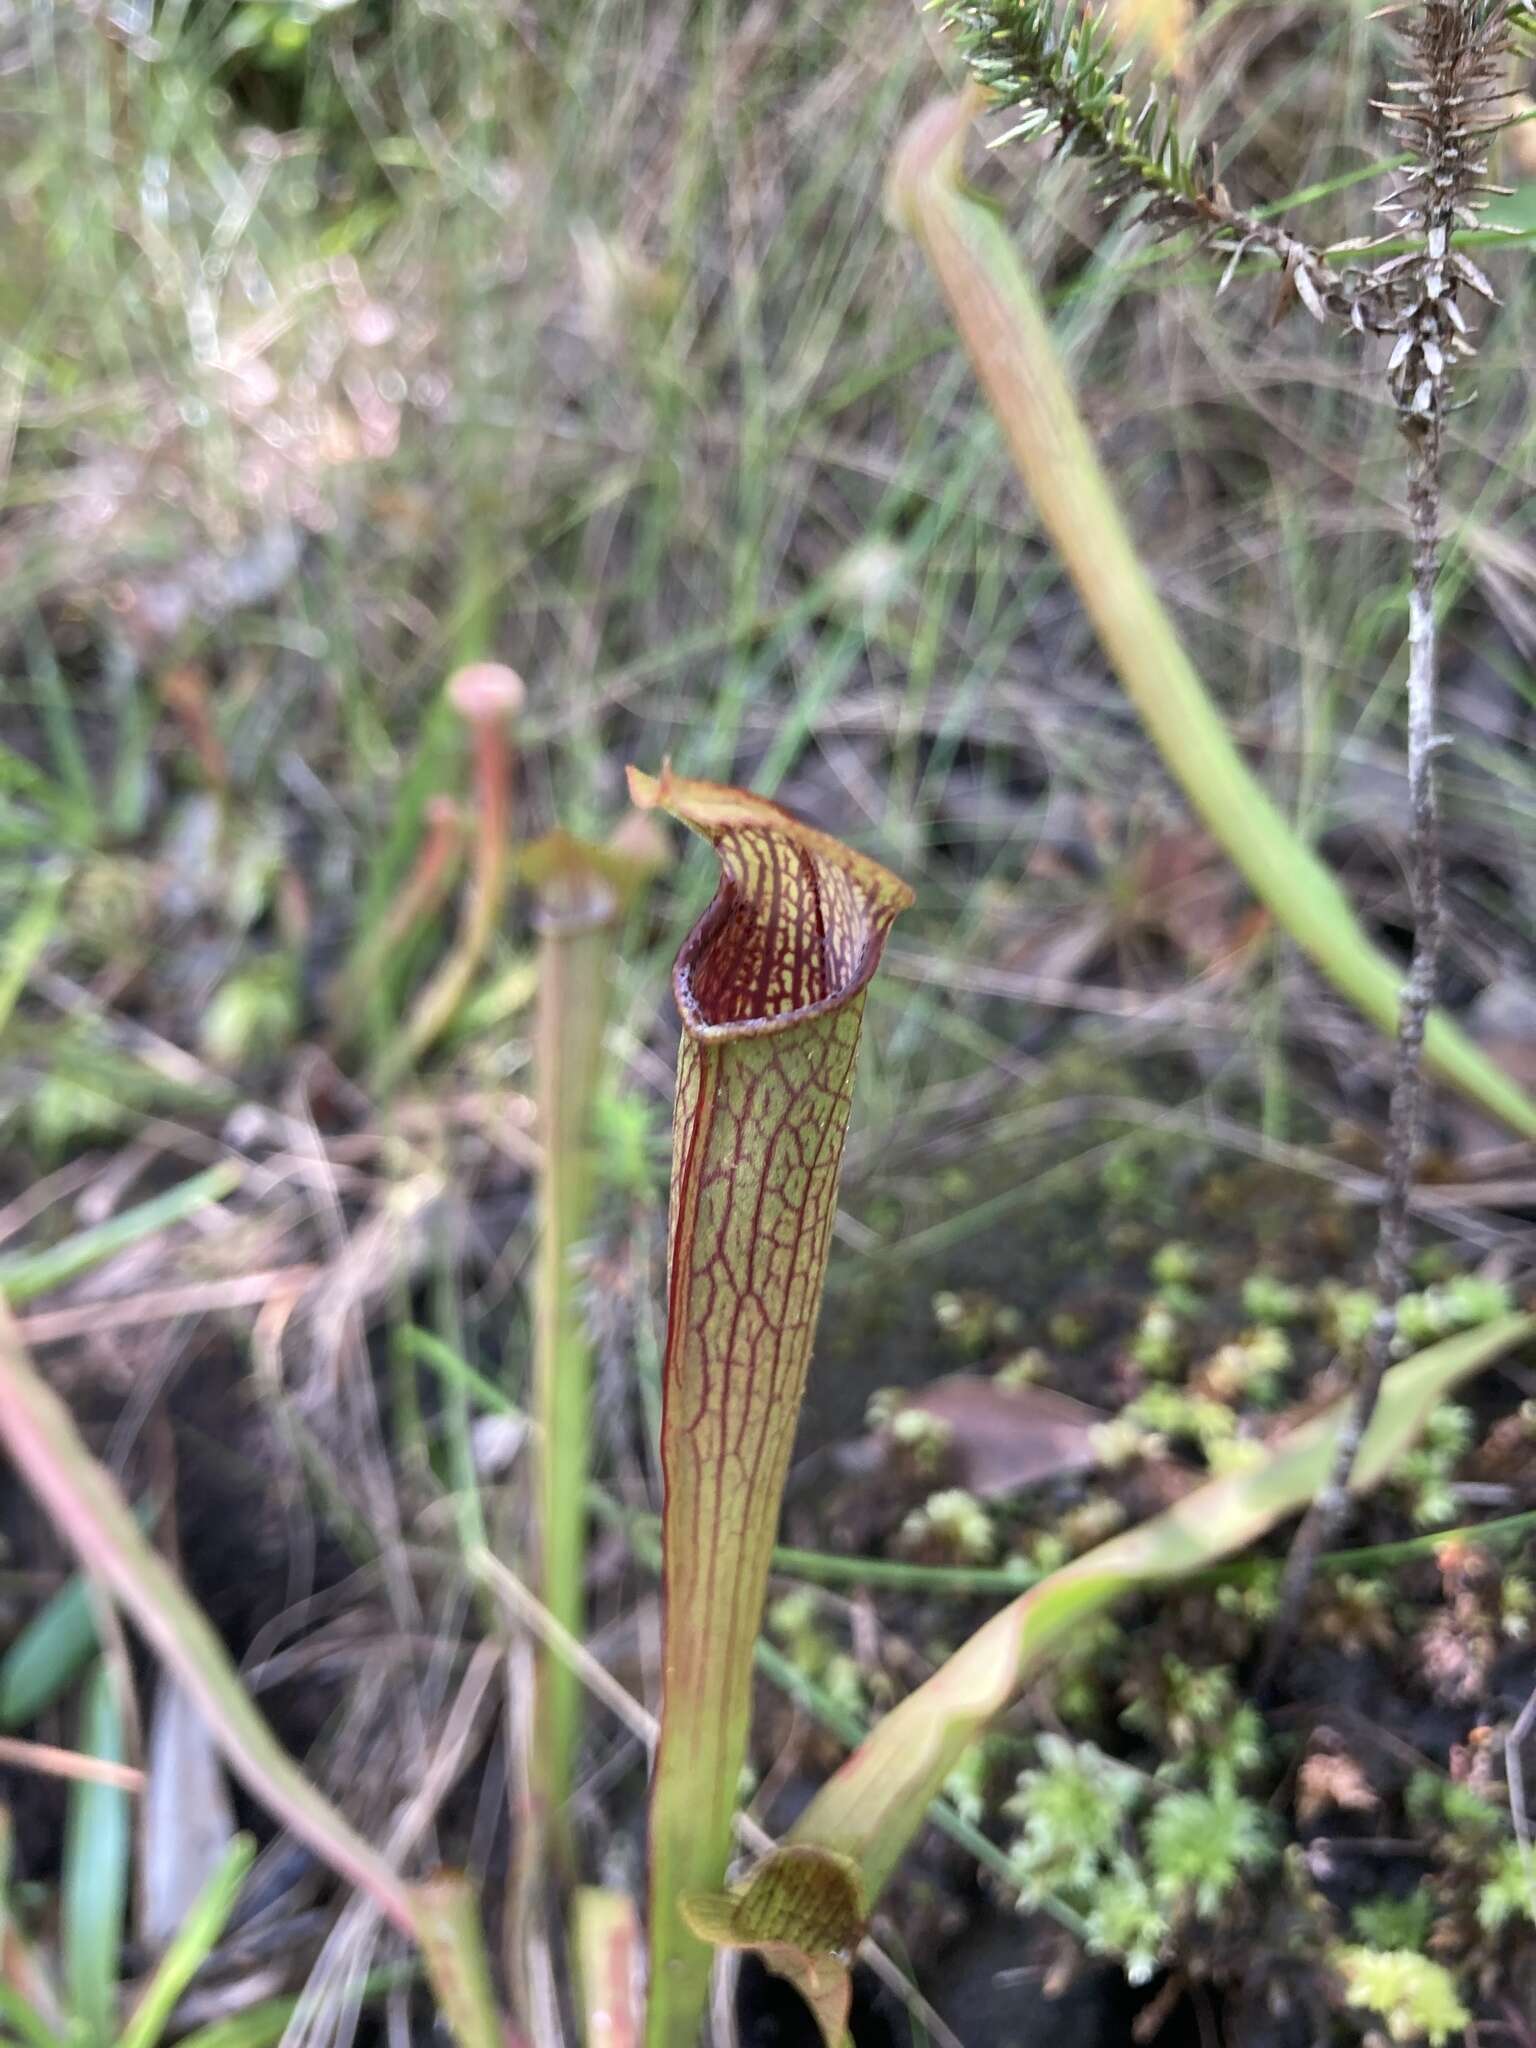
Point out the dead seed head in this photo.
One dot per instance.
(486, 691)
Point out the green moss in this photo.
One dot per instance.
(1388, 1923)
(1125, 1921)
(954, 1522)
(1463, 1303)
(1176, 1265)
(1415, 1998)
(1156, 1345)
(1199, 1844)
(1509, 1891)
(1074, 1807)
(1270, 1300)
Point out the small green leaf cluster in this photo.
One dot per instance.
(1517, 1607)
(1078, 1845)
(1176, 1271)
(1425, 1476)
(925, 1438)
(1155, 1346)
(954, 1522)
(1074, 1808)
(1160, 1414)
(1347, 1314)
(1027, 1368)
(1466, 1822)
(1251, 1368)
(922, 1439)
(1415, 1998)
(1193, 1711)
(1133, 1853)
(1199, 1844)
(1472, 1837)
(1462, 1303)
(1509, 1891)
(1387, 1922)
(972, 1322)
(1269, 1300)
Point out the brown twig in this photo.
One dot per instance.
(53, 1762)
(1458, 46)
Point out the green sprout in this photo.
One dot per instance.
(1517, 1607)
(1175, 1269)
(1176, 1265)
(1270, 1300)
(1469, 1826)
(1025, 1369)
(971, 1322)
(1165, 1413)
(956, 1522)
(1195, 1711)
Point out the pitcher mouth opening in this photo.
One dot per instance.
(699, 957)
(798, 921)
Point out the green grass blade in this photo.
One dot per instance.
(263, 2025)
(94, 1884)
(31, 1273)
(26, 2022)
(19, 1967)
(56, 712)
(1002, 323)
(91, 1515)
(583, 891)
(194, 1943)
(457, 1371)
(453, 1945)
(25, 941)
(48, 1656)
